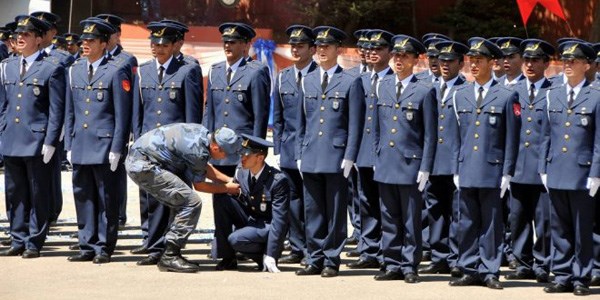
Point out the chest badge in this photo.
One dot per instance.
(240, 97)
(100, 96)
(584, 121)
(410, 115)
(493, 120)
(172, 94)
(36, 90)
(335, 104)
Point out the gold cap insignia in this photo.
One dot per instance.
(89, 28)
(159, 33)
(1, 35)
(476, 46)
(532, 47)
(431, 47)
(505, 45)
(54, 40)
(571, 50)
(245, 143)
(447, 49)
(296, 33)
(402, 43)
(23, 22)
(41, 16)
(376, 37)
(229, 30)
(323, 34)
(69, 38)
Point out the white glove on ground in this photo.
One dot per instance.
(544, 178)
(593, 183)
(504, 184)
(422, 178)
(269, 264)
(455, 180)
(47, 152)
(347, 167)
(113, 159)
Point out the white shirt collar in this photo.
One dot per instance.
(165, 65)
(512, 82)
(536, 85)
(95, 64)
(257, 175)
(49, 49)
(449, 83)
(233, 67)
(380, 74)
(330, 72)
(486, 86)
(30, 59)
(405, 81)
(575, 89)
(304, 70)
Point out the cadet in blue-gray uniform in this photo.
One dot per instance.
(167, 162)
(4, 40)
(362, 43)
(73, 44)
(405, 138)
(595, 281)
(47, 44)
(330, 124)
(529, 200)
(512, 60)
(97, 126)
(441, 198)
(260, 213)
(166, 91)
(183, 29)
(31, 117)
(570, 169)
(369, 248)
(489, 122)
(287, 100)
(433, 72)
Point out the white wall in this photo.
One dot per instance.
(9, 9)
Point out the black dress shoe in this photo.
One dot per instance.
(303, 262)
(172, 261)
(352, 241)
(542, 277)
(226, 264)
(30, 253)
(309, 270)
(139, 250)
(581, 290)
(81, 257)
(363, 264)
(329, 272)
(441, 268)
(12, 251)
(290, 259)
(595, 281)
(411, 278)
(527, 274)
(6, 242)
(101, 259)
(426, 256)
(241, 257)
(149, 260)
(465, 280)
(513, 264)
(353, 253)
(389, 275)
(456, 272)
(494, 284)
(74, 247)
(558, 288)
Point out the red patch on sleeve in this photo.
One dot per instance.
(517, 109)
(126, 85)
(134, 70)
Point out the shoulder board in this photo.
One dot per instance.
(62, 52)
(425, 84)
(52, 59)
(77, 61)
(288, 69)
(217, 65)
(10, 58)
(147, 62)
(465, 85)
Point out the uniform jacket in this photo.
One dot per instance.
(489, 137)
(287, 100)
(570, 149)
(448, 135)
(405, 131)
(330, 122)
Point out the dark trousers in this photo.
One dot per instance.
(480, 233)
(97, 207)
(440, 198)
(369, 245)
(571, 226)
(354, 203)
(121, 187)
(27, 188)
(401, 239)
(325, 202)
(297, 236)
(530, 204)
(56, 198)
(596, 270)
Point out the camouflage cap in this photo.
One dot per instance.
(230, 142)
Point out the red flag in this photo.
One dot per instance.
(553, 6)
(527, 6)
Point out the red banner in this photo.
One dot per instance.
(526, 8)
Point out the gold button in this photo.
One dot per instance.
(89, 87)
(322, 108)
(19, 95)
(320, 133)
(158, 124)
(394, 130)
(414, 156)
(20, 83)
(226, 114)
(410, 103)
(371, 106)
(395, 118)
(530, 107)
(228, 88)
(397, 106)
(568, 124)
(569, 111)
(87, 112)
(475, 148)
(564, 149)
(368, 118)
(477, 123)
(85, 125)
(18, 108)
(158, 112)
(323, 96)
(529, 119)
(443, 105)
(478, 110)
(159, 100)
(226, 100)
(441, 128)
(17, 120)
(87, 100)
(528, 132)
(224, 125)
(477, 135)
(441, 141)
(368, 130)
(442, 117)
(321, 121)
(567, 137)
(526, 144)
(391, 144)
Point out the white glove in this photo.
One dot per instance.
(593, 183)
(277, 159)
(504, 184)
(47, 152)
(422, 179)
(299, 164)
(269, 264)
(69, 157)
(544, 178)
(455, 180)
(113, 159)
(347, 167)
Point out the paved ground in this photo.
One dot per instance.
(53, 277)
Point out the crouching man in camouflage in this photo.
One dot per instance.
(166, 162)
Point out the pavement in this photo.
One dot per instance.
(52, 277)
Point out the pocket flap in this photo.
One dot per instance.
(102, 132)
(340, 141)
(417, 154)
(584, 159)
(38, 127)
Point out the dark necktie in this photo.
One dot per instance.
(398, 90)
(252, 182)
(325, 81)
(90, 72)
(479, 97)
(23, 68)
(571, 98)
(229, 71)
(374, 85)
(299, 80)
(364, 69)
(108, 56)
(161, 73)
(531, 93)
(443, 90)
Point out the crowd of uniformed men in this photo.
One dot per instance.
(428, 166)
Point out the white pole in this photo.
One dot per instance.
(70, 15)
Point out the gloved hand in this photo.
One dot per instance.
(269, 264)
(593, 183)
(504, 184)
(299, 164)
(456, 182)
(422, 178)
(113, 159)
(347, 167)
(69, 157)
(277, 159)
(47, 152)
(544, 178)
